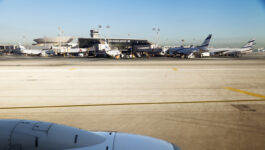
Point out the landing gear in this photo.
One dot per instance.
(183, 56)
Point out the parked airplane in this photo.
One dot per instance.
(192, 51)
(233, 51)
(114, 53)
(25, 51)
(71, 49)
(36, 135)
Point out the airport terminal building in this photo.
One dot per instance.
(95, 45)
(119, 43)
(91, 43)
(53, 41)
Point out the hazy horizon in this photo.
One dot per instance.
(232, 23)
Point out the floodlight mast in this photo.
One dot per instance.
(182, 41)
(24, 39)
(157, 33)
(45, 38)
(60, 36)
(107, 27)
(156, 39)
(99, 27)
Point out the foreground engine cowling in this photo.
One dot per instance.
(35, 135)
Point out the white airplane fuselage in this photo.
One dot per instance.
(31, 52)
(25, 51)
(233, 51)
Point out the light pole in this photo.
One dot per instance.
(24, 39)
(99, 27)
(156, 31)
(108, 27)
(182, 41)
(45, 41)
(60, 37)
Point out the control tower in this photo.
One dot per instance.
(94, 34)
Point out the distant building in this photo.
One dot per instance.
(53, 41)
(7, 48)
(93, 41)
(259, 50)
(120, 43)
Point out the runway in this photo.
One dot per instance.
(196, 104)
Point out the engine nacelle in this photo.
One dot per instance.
(35, 135)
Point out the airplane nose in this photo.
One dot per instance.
(125, 141)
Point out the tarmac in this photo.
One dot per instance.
(200, 104)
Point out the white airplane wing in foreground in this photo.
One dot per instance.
(36, 135)
(124, 141)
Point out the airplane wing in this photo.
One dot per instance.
(232, 52)
(97, 147)
(123, 141)
(217, 51)
(188, 51)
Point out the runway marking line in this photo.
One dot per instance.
(245, 92)
(174, 69)
(130, 104)
(71, 69)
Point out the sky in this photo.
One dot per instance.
(232, 22)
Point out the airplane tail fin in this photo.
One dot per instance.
(250, 44)
(21, 47)
(206, 42)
